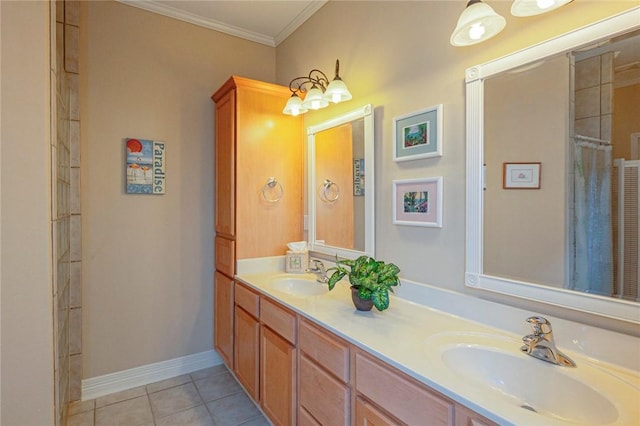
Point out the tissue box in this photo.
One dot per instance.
(296, 261)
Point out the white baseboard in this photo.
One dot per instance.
(95, 387)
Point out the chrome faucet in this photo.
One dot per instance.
(317, 267)
(541, 345)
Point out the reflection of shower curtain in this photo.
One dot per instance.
(593, 261)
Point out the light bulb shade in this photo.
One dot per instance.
(294, 106)
(314, 99)
(535, 7)
(477, 23)
(337, 92)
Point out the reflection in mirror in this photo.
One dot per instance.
(570, 104)
(340, 197)
(340, 186)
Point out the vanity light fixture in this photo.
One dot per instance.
(535, 7)
(477, 23)
(319, 93)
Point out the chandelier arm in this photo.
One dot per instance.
(320, 79)
(297, 84)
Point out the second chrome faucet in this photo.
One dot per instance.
(541, 344)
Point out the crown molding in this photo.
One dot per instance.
(213, 24)
(200, 21)
(306, 13)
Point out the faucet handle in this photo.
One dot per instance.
(530, 341)
(540, 325)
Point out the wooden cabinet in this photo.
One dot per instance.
(265, 354)
(246, 342)
(324, 390)
(223, 317)
(402, 397)
(278, 356)
(302, 374)
(254, 141)
(368, 415)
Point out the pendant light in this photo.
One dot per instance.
(535, 7)
(477, 23)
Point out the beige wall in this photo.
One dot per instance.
(397, 56)
(625, 122)
(148, 259)
(523, 229)
(26, 305)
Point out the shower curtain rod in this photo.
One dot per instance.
(590, 139)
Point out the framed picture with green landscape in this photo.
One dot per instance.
(418, 134)
(418, 202)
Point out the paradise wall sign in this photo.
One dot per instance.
(145, 166)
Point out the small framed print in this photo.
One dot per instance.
(418, 135)
(418, 202)
(521, 175)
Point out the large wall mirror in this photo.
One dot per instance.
(553, 171)
(340, 189)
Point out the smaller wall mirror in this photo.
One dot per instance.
(340, 190)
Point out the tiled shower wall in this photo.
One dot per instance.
(594, 96)
(66, 206)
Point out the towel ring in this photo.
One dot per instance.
(329, 192)
(274, 188)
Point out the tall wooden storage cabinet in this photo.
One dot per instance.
(254, 142)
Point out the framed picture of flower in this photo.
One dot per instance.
(418, 135)
(418, 202)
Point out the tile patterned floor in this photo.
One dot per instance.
(209, 397)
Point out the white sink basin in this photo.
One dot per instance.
(304, 285)
(495, 367)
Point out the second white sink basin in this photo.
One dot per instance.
(495, 366)
(304, 285)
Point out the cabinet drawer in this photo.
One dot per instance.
(328, 351)
(410, 402)
(247, 299)
(322, 395)
(225, 256)
(278, 319)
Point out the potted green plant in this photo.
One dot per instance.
(371, 280)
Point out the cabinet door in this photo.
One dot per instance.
(322, 395)
(368, 414)
(225, 165)
(277, 378)
(223, 317)
(246, 345)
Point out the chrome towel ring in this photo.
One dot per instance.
(329, 192)
(272, 191)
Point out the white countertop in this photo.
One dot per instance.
(406, 336)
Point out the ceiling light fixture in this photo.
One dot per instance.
(319, 93)
(477, 23)
(535, 7)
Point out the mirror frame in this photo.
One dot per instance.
(366, 113)
(474, 77)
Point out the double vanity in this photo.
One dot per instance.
(411, 364)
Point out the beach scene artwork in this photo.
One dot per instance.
(145, 166)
